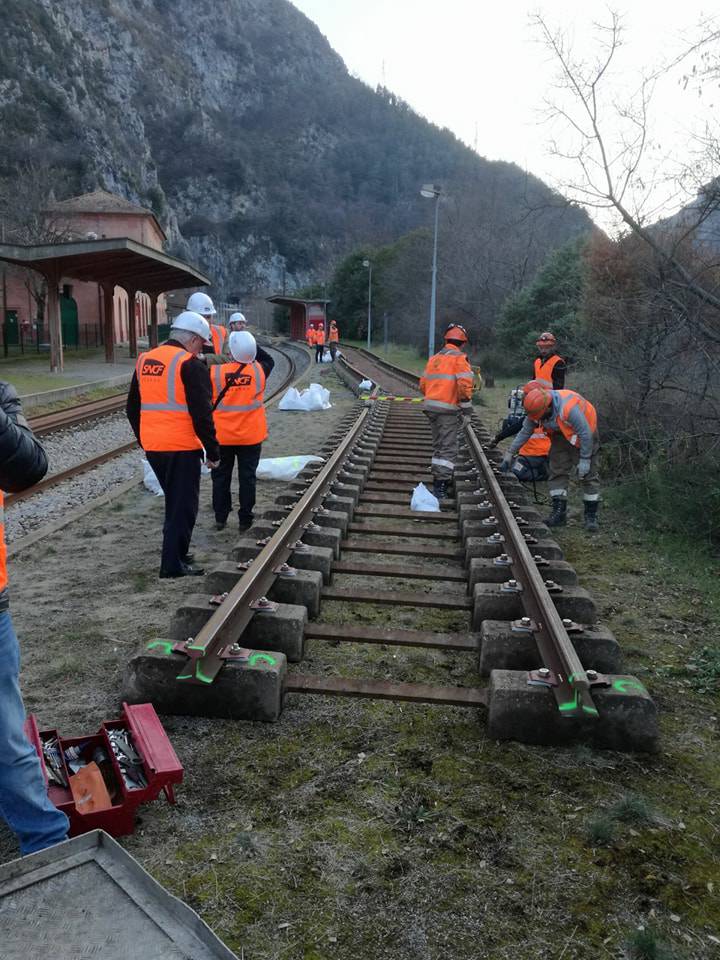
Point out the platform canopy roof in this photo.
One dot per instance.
(119, 261)
(289, 301)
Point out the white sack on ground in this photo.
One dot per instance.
(365, 385)
(422, 499)
(150, 481)
(314, 398)
(283, 468)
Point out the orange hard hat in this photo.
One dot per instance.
(546, 337)
(536, 403)
(532, 385)
(456, 332)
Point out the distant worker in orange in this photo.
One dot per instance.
(310, 336)
(447, 385)
(333, 340)
(549, 368)
(201, 303)
(319, 342)
(241, 425)
(571, 421)
(169, 406)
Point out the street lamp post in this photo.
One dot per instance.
(430, 191)
(368, 265)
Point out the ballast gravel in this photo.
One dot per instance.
(70, 447)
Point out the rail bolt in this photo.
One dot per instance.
(543, 672)
(592, 674)
(525, 621)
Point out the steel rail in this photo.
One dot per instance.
(566, 678)
(79, 413)
(214, 644)
(412, 378)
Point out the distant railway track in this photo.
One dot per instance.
(91, 410)
(490, 561)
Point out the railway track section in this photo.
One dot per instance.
(83, 412)
(485, 566)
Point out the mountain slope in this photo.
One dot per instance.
(240, 126)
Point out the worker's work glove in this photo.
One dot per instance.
(506, 462)
(493, 443)
(583, 468)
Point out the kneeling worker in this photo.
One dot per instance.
(531, 464)
(169, 407)
(571, 421)
(241, 425)
(447, 385)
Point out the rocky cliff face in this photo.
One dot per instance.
(238, 124)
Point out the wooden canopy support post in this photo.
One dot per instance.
(109, 321)
(54, 320)
(153, 331)
(132, 320)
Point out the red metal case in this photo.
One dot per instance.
(160, 763)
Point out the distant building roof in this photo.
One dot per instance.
(289, 301)
(101, 201)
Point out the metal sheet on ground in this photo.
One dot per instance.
(89, 898)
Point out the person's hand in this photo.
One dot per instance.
(212, 464)
(506, 462)
(583, 468)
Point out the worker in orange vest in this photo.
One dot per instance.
(549, 368)
(319, 342)
(24, 802)
(447, 385)
(241, 425)
(310, 336)
(201, 303)
(571, 421)
(169, 407)
(333, 340)
(532, 459)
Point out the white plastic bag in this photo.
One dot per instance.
(150, 481)
(365, 385)
(283, 468)
(422, 499)
(315, 397)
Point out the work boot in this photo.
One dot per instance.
(220, 524)
(591, 521)
(440, 489)
(558, 516)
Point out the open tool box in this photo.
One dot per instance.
(135, 760)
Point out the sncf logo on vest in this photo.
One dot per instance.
(152, 368)
(239, 380)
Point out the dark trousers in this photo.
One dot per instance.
(333, 350)
(179, 476)
(319, 351)
(247, 457)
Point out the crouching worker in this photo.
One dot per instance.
(241, 425)
(24, 801)
(531, 464)
(447, 385)
(571, 421)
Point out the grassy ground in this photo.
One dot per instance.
(406, 357)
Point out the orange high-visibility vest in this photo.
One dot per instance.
(447, 381)
(311, 336)
(3, 545)
(320, 336)
(165, 421)
(537, 446)
(218, 336)
(570, 399)
(240, 416)
(334, 333)
(543, 370)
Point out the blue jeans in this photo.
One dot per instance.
(24, 801)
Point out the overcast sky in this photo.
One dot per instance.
(478, 67)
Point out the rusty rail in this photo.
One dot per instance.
(215, 642)
(78, 413)
(562, 671)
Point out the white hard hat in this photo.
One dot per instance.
(236, 318)
(193, 323)
(202, 304)
(242, 346)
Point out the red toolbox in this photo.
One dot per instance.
(135, 757)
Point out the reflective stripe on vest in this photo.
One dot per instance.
(239, 423)
(165, 421)
(218, 336)
(447, 380)
(568, 400)
(544, 368)
(3, 545)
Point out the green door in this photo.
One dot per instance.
(10, 328)
(69, 321)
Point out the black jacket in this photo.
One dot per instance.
(22, 459)
(198, 390)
